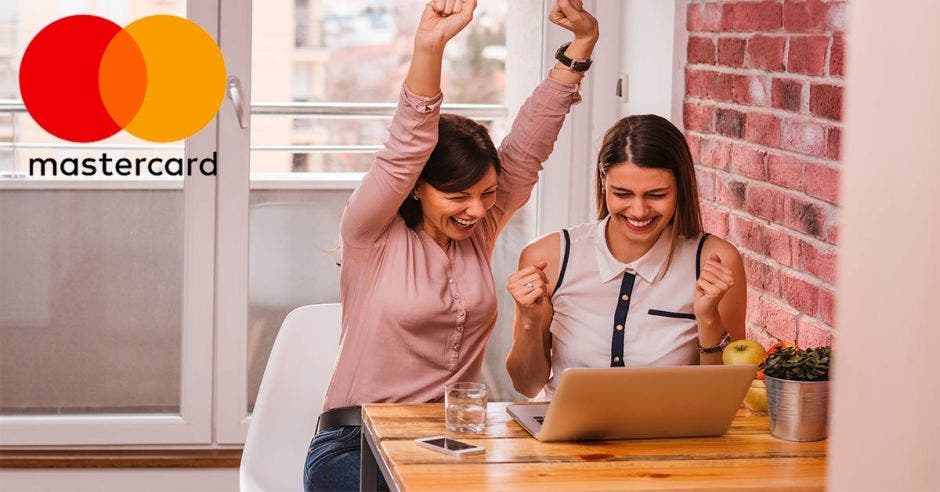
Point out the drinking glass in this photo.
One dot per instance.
(465, 407)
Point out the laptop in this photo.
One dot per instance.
(635, 403)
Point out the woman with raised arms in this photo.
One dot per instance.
(419, 301)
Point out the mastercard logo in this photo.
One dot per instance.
(84, 78)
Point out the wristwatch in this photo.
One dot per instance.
(573, 65)
(725, 340)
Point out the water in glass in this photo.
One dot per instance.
(465, 407)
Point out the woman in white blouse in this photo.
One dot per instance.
(641, 286)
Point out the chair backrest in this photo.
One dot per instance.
(290, 399)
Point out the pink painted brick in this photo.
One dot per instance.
(805, 137)
(752, 16)
(731, 51)
(694, 144)
(748, 162)
(822, 182)
(765, 52)
(762, 129)
(693, 17)
(837, 56)
(720, 87)
(745, 233)
(701, 50)
(711, 17)
(818, 262)
(832, 236)
(827, 306)
(834, 144)
(716, 154)
(730, 192)
(753, 90)
(800, 294)
(785, 171)
(714, 220)
(805, 16)
(697, 117)
(766, 202)
(835, 18)
(776, 245)
(753, 304)
(760, 336)
(812, 334)
(805, 216)
(807, 55)
(693, 83)
(705, 179)
(777, 320)
(826, 101)
(729, 122)
(787, 94)
(762, 276)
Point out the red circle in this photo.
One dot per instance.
(59, 78)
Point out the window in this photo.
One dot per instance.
(103, 329)
(129, 306)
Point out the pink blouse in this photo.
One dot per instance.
(416, 317)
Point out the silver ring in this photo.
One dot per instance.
(530, 286)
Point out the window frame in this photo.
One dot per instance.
(193, 424)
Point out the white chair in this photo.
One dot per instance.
(290, 399)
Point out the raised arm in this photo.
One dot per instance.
(536, 127)
(570, 14)
(413, 131)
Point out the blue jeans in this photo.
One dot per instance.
(333, 461)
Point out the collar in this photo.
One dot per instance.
(647, 266)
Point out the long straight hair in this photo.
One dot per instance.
(651, 141)
(462, 156)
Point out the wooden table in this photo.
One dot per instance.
(747, 457)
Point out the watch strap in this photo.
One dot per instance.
(725, 340)
(572, 64)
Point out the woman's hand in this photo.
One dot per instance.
(529, 288)
(711, 287)
(441, 21)
(570, 14)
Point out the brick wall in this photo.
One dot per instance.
(762, 112)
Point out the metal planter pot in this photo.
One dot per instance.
(798, 409)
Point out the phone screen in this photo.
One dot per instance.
(449, 444)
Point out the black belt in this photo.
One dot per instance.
(340, 417)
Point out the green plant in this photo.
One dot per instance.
(796, 364)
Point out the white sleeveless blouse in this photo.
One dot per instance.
(611, 314)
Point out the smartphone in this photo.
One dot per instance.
(449, 446)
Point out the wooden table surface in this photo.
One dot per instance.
(747, 457)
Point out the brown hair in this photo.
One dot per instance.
(463, 154)
(651, 141)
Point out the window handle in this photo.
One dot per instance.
(235, 94)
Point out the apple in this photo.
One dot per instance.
(743, 353)
(756, 398)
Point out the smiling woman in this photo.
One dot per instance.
(458, 184)
(418, 237)
(642, 286)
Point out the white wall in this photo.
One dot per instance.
(650, 37)
(886, 398)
